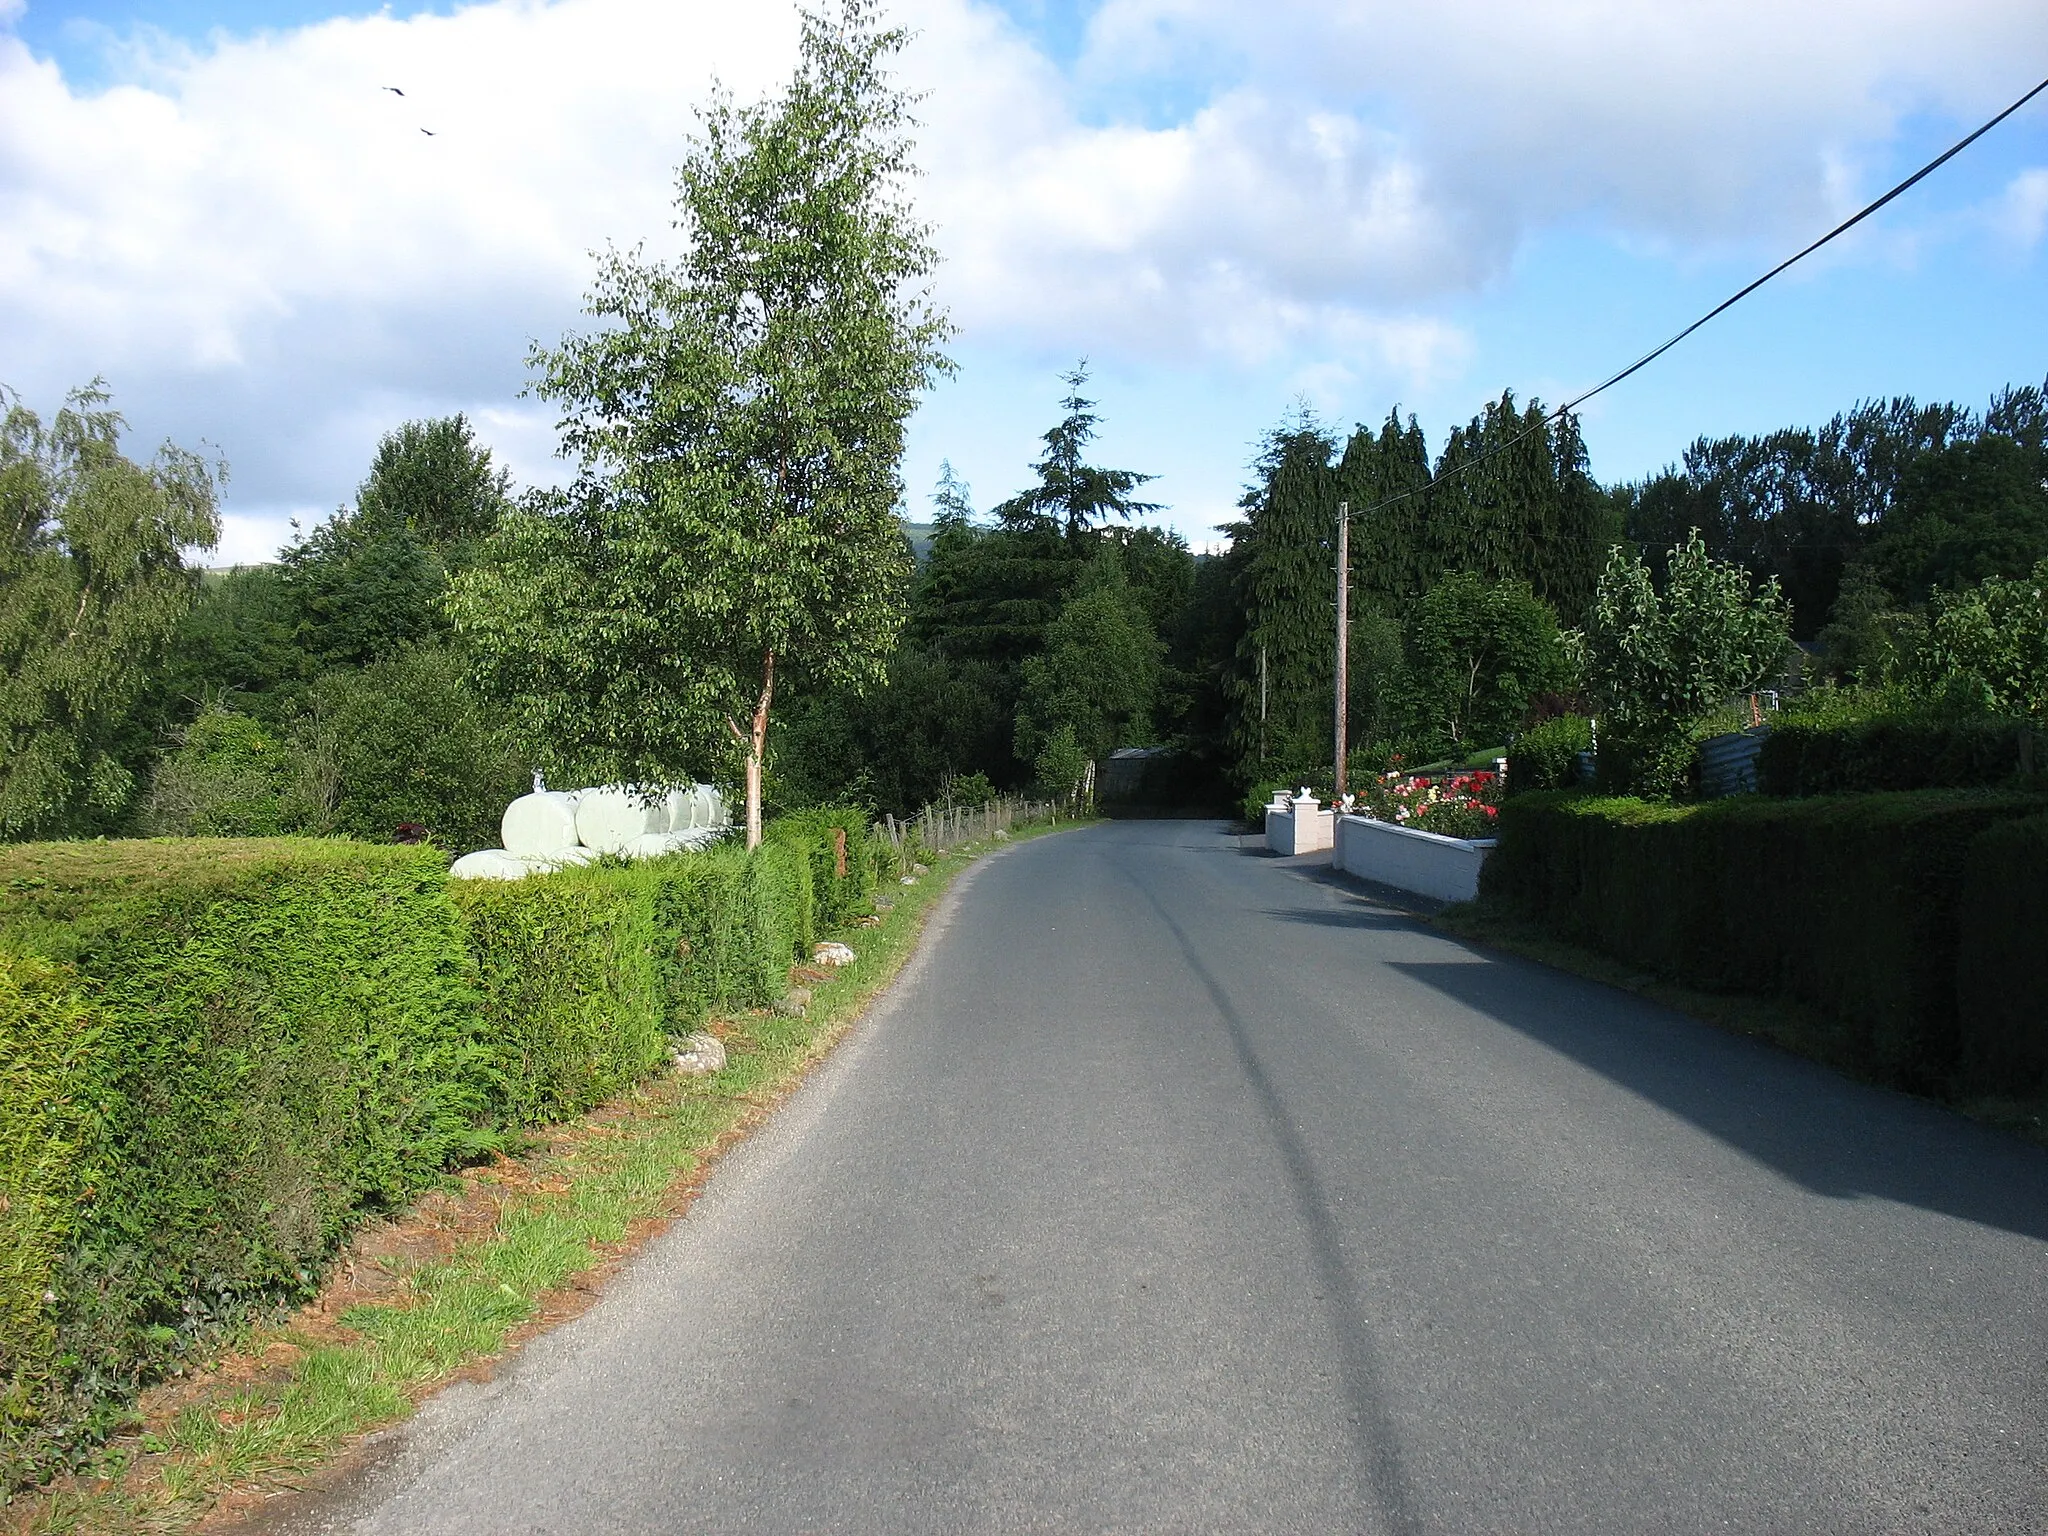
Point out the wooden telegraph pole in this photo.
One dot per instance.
(1343, 633)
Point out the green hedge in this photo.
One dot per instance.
(1546, 756)
(837, 898)
(569, 969)
(1848, 904)
(216, 1056)
(1897, 752)
(274, 1036)
(2002, 959)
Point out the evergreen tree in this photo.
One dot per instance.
(1280, 686)
(1072, 494)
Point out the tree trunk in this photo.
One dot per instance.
(757, 749)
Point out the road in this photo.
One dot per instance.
(1178, 1188)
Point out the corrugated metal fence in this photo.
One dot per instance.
(1728, 763)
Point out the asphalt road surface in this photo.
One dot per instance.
(1178, 1188)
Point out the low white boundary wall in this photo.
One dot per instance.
(1441, 868)
(1299, 829)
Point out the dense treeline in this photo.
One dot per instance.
(329, 693)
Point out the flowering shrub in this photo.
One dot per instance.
(1462, 803)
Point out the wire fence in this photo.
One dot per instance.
(939, 827)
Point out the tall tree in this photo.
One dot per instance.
(92, 585)
(1072, 494)
(737, 431)
(1281, 685)
(370, 582)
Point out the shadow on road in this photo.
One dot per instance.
(1838, 1138)
(1378, 1444)
(1355, 916)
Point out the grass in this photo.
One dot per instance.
(1789, 1025)
(510, 1249)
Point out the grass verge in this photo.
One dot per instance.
(1789, 1025)
(500, 1253)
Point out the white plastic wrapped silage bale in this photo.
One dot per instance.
(489, 864)
(609, 818)
(539, 826)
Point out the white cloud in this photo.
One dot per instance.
(256, 243)
(2023, 211)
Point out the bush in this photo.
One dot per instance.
(271, 1038)
(406, 740)
(1897, 751)
(2002, 959)
(569, 967)
(1847, 904)
(45, 1122)
(229, 777)
(1546, 756)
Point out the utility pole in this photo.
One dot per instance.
(1343, 633)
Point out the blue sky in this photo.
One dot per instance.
(1228, 210)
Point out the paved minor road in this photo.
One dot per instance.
(1177, 1190)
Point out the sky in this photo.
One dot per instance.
(1233, 212)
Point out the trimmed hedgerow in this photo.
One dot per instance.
(2002, 959)
(278, 1035)
(1546, 756)
(837, 898)
(216, 1056)
(1898, 752)
(569, 968)
(47, 1039)
(1848, 904)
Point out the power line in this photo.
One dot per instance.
(1728, 303)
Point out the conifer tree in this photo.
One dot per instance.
(1281, 684)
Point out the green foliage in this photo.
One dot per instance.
(1098, 675)
(1658, 662)
(47, 1042)
(1060, 763)
(1847, 742)
(1286, 583)
(92, 586)
(229, 777)
(1796, 505)
(569, 968)
(1992, 640)
(1846, 904)
(1072, 496)
(279, 1034)
(1870, 641)
(368, 584)
(2001, 961)
(1546, 756)
(899, 745)
(728, 925)
(216, 1056)
(406, 739)
(1476, 653)
(1976, 508)
(435, 481)
(837, 899)
(737, 428)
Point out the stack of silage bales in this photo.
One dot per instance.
(550, 829)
